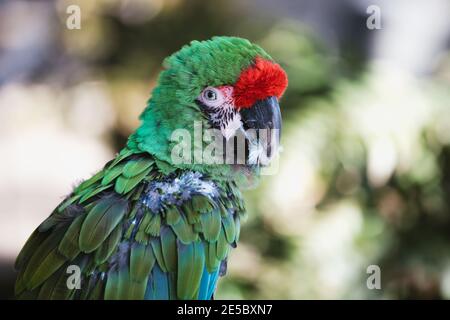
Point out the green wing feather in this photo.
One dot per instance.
(125, 185)
(108, 246)
(112, 285)
(30, 246)
(212, 262)
(191, 262)
(90, 182)
(136, 167)
(222, 246)
(184, 231)
(229, 227)
(46, 268)
(123, 249)
(38, 257)
(211, 222)
(69, 244)
(169, 248)
(101, 221)
(157, 251)
(142, 261)
(112, 173)
(154, 226)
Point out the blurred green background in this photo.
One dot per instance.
(364, 177)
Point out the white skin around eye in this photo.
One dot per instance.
(219, 97)
(222, 112)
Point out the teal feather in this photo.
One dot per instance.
(160, 284)
(204, 285)
(213, 283)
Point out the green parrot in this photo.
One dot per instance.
(149, 226)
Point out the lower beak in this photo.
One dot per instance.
(262, 125)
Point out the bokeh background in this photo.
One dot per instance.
(364, 177)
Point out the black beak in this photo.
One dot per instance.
(263, 119)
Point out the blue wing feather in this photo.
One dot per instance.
(208, 284)
(213, 283)
(158, 285)
(204, 285)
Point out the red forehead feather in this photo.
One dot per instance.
(261, 80)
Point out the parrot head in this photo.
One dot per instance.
(227, 83)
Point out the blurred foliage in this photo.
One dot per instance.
(364, 177)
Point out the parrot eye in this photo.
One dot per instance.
(212, 97)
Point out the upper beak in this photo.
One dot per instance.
(262, 124)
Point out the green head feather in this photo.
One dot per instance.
(172, 106)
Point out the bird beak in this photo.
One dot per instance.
(262, 129)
